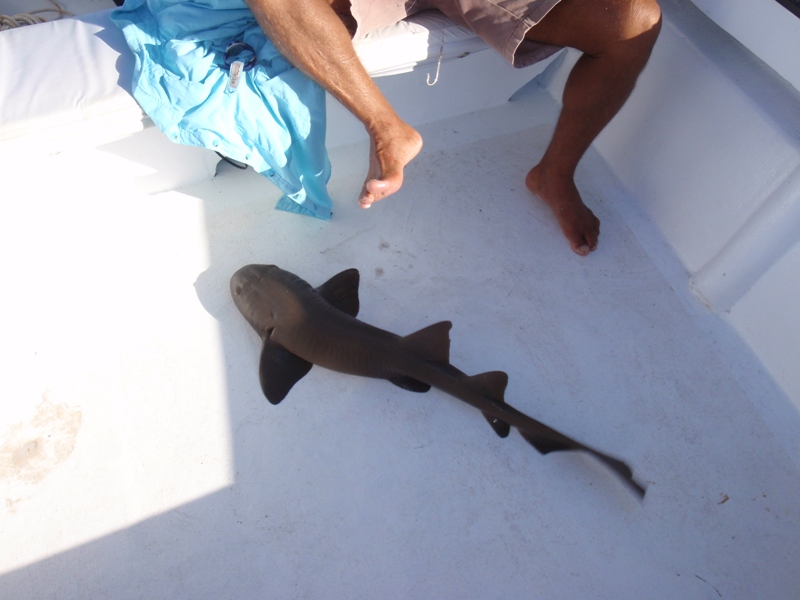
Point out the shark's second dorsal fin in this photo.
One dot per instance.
(492, 384)
(431, 343)
(279, 370)
(341, 291)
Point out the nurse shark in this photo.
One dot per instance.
(302, 326)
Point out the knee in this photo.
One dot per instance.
(643, 20)
(630, 27)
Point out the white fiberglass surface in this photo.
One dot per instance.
(771, 31)
(141, 460)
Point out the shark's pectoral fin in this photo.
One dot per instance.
(431, 343)
(279, 370)
(412, 385)
(341, 291)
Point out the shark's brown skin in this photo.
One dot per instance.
(302, 326)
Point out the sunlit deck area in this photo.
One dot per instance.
(140, 459)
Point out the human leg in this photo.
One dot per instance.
(316, 41)
(616, 38)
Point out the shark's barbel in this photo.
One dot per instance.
(303, 326)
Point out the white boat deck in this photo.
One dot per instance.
(139, 458)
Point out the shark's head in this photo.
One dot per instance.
(255, 290)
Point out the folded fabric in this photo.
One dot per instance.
(273, 120)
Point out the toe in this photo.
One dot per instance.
(582, 249)
(365, 199)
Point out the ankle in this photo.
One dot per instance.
(388, 126)
(542, 176)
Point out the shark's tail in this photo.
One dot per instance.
(545, 439)
(546, 444)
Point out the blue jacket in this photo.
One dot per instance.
(274, 120)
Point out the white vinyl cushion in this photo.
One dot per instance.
(68, 81)
(61, 79)
(418, 40)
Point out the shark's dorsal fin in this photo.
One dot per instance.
(341, 291)
(492, 384)
(431, 343)
(279, 370)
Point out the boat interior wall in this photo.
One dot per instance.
(709, 146)
(706, 138)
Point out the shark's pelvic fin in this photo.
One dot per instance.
(279, 370)
(412, 385)
(341, 291)
(431, 343)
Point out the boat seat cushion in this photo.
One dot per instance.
(68, 82)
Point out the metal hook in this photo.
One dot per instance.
(438, 65)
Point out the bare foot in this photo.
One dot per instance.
(577, 222)
(391, 149)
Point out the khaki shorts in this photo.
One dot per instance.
(500, 23)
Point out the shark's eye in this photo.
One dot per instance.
(238, 290)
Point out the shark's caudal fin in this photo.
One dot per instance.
(492, 384)
(624, 471)
(341, 291)
(545, 444)
(279, 370)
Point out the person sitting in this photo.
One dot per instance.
(616, 38)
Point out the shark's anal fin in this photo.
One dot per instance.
(279, 370)
(341, 291)
(431, 343)
(412, 385)
(493, 385)
(501, 428)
